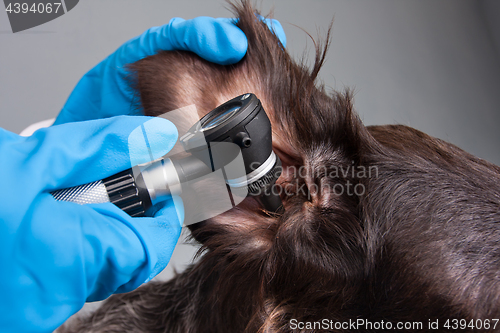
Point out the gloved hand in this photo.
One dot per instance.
(56, 255)
(104, 92)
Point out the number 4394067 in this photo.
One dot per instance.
(41, 8)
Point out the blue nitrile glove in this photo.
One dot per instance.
(104, 91)
(56, 255)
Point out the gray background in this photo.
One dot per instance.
(430, 64)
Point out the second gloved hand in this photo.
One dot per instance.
(104, 91)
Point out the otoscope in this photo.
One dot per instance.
(241, 121)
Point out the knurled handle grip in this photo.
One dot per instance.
(121, 189)
(94, 192)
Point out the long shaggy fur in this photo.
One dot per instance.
(420, 242)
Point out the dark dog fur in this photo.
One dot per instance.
(420, 242)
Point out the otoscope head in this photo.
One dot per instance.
(243, 121)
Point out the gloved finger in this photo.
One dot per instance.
(272, 24)
(275, 27)
(77, 153)
(216, 40)
(160, 234)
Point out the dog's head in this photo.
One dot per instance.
(314, 134)
(348, 227)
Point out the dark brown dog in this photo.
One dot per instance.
(382, 223)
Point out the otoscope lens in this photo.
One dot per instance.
(220, 118)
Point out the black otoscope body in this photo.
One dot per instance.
(241, 121)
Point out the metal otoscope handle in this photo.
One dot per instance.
(238, 126)
(137, 189)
